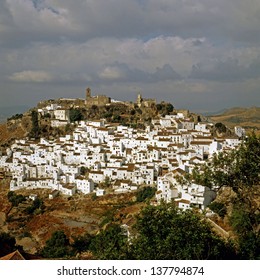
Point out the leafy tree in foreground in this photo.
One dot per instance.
(239, 170)
(57, 246)
(219, 208)
(110, 244)
(82, 243)
(164, 232)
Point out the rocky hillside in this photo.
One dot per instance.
(75, 215)
(20, 125)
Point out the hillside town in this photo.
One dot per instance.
(98, 153)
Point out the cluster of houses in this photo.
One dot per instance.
(123, 157)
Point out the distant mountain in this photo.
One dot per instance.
(207, 114)
(6, 112)
(248, 118)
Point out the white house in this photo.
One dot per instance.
(97, 176)
(68, 189)
(165, 190)
(84, 185)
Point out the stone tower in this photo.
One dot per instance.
(139, 100)
(88, 93)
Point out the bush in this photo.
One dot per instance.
(57, 246)
(75, 115)
(145, 193)
(15, 117)
(81, 243)
(220, 127)
(15, 199)
(36, 208)
(218, 208)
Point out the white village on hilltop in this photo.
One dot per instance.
(125, 157)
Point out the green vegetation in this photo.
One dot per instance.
(165, 233)
(219, 208)
(82, 243)
(75, 115)
(57, 246)
(110, 243)
(164, 108)
(35, 131)
(220, 127)
(107, 182)
(83, 170)
(161, 232)
(36, 208)
(15, 117)
(15, 199)
(238, 170)
(145, 194)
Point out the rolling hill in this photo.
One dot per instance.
(249, 118)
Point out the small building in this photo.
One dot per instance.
(33, 196)
(100, 192)
(53, 194)
(68, 189)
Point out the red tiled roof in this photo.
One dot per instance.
(16, 255)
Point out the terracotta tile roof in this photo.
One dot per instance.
(16, 255)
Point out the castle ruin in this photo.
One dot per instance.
(99, 100)
(147, 103)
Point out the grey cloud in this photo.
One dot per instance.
(227, 71)
(82, 20)
(190, 49)
(165, 73)
(123, 73)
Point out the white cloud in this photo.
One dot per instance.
(41, 18)
(111, 73)
(31, 76)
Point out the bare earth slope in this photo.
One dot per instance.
(249, 118)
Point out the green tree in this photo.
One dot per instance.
(15, 117)
(159, 107)
(246, 225)
(107, 182)
(83, 170)
(82, 243)
(14, 198)
(220, 127)
(169, 108)
(35, 130)
(57, 246)
(145, 193)
(111, 243)
(239, 170)
(36, 208)
(219, 208)
(75, 115)
(164, 232)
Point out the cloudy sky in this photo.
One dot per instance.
(202, 55)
